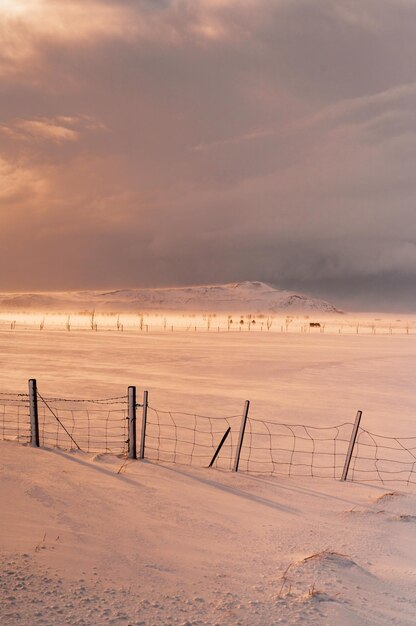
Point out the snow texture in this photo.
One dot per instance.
(83, 544)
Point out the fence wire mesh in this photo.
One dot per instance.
(185, 438)
(189, 438)
(294, 449)
(90, 425)
(377, 458)
(15, 417)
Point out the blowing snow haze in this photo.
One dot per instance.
(169, 142)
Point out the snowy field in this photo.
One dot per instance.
(318, 378)
(90, 539)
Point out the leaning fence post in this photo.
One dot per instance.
(351, 446)
(131, 392)
(220, 445)
(241, 435)
(34, 418)
(144, 422)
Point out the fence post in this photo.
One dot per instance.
(131, 393)
(241, 435)
(34, 418)
(220, 445)
(144, 421)
(351, 446)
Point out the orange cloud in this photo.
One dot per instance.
(45, 130)
(19, 182)
(67, 20)
(58, 130)
(24, 24)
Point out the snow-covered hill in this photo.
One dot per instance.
(248, 296)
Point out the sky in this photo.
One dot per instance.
(176, 142)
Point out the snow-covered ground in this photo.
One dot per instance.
(309, 378)
(94, 540)
(84, 544)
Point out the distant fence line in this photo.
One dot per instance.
(234, 442)
(297, 322)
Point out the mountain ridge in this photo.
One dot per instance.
(254, 296)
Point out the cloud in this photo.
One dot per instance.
(46, 130)
(18, 182)
(58, 130)
(161, 142)
(27, 25)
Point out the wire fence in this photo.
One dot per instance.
(294, 449)
(190, 439)
(89, 425)
(14, 417)
(175, 437)
(383, 459)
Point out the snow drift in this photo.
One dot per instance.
(86, 543)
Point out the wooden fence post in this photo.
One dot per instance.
(351, 446)
(34, 418)
(131, 393)
(144, 422)
(241, 435)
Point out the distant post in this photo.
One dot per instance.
(144, 422)
(351, 446)
(131, 393)
(241, 435)
(34, 418)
